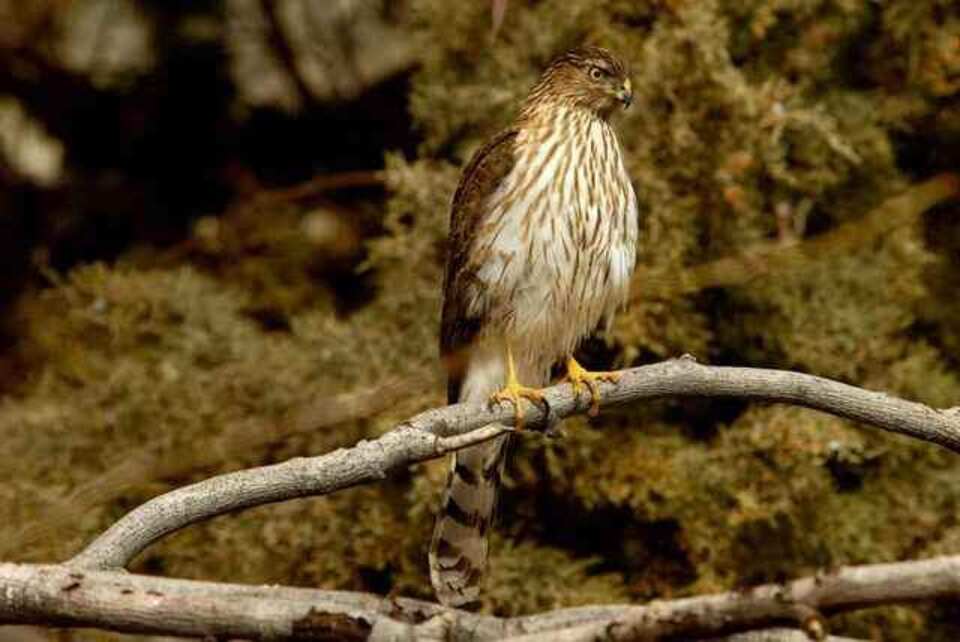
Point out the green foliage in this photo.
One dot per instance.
(760, 121)
(527, 578)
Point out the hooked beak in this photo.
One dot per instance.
(625, 93)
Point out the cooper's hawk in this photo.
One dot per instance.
(543, 232)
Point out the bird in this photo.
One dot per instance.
(541, 249)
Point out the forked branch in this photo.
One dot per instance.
(91, 590)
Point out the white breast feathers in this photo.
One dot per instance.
(558, 247)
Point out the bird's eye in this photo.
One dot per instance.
(596, 73)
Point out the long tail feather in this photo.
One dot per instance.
(458, 552)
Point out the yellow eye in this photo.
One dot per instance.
(596, 73)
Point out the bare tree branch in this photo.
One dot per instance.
(800, 601)
(285, 53)
(436, 432)
(760, 635)
(366, 462)
(56, 595)
(91, 589)
(64, 596)
(777, 635)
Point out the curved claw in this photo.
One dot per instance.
(514, 392)
(580, 376)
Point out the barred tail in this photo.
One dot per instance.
(458, 552)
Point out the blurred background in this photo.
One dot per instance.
(223, 229)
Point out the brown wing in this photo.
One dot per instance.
(483, 174)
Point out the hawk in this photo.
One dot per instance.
(543, 232)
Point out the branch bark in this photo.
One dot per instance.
(64, 596)
(92, 590)
(438, 431)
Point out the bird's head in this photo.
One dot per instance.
(588, 77)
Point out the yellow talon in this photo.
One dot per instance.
(514, 392)
(578, 376)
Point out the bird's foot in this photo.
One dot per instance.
(580, 376)
(514, 392)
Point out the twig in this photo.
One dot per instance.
(286, 56)
(774, 257)
(308, 189)
(324, 183)
(436, 432)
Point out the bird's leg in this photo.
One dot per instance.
(578, 376)
(513, 391)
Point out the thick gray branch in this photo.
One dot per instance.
(438, 431)
(60, 595)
